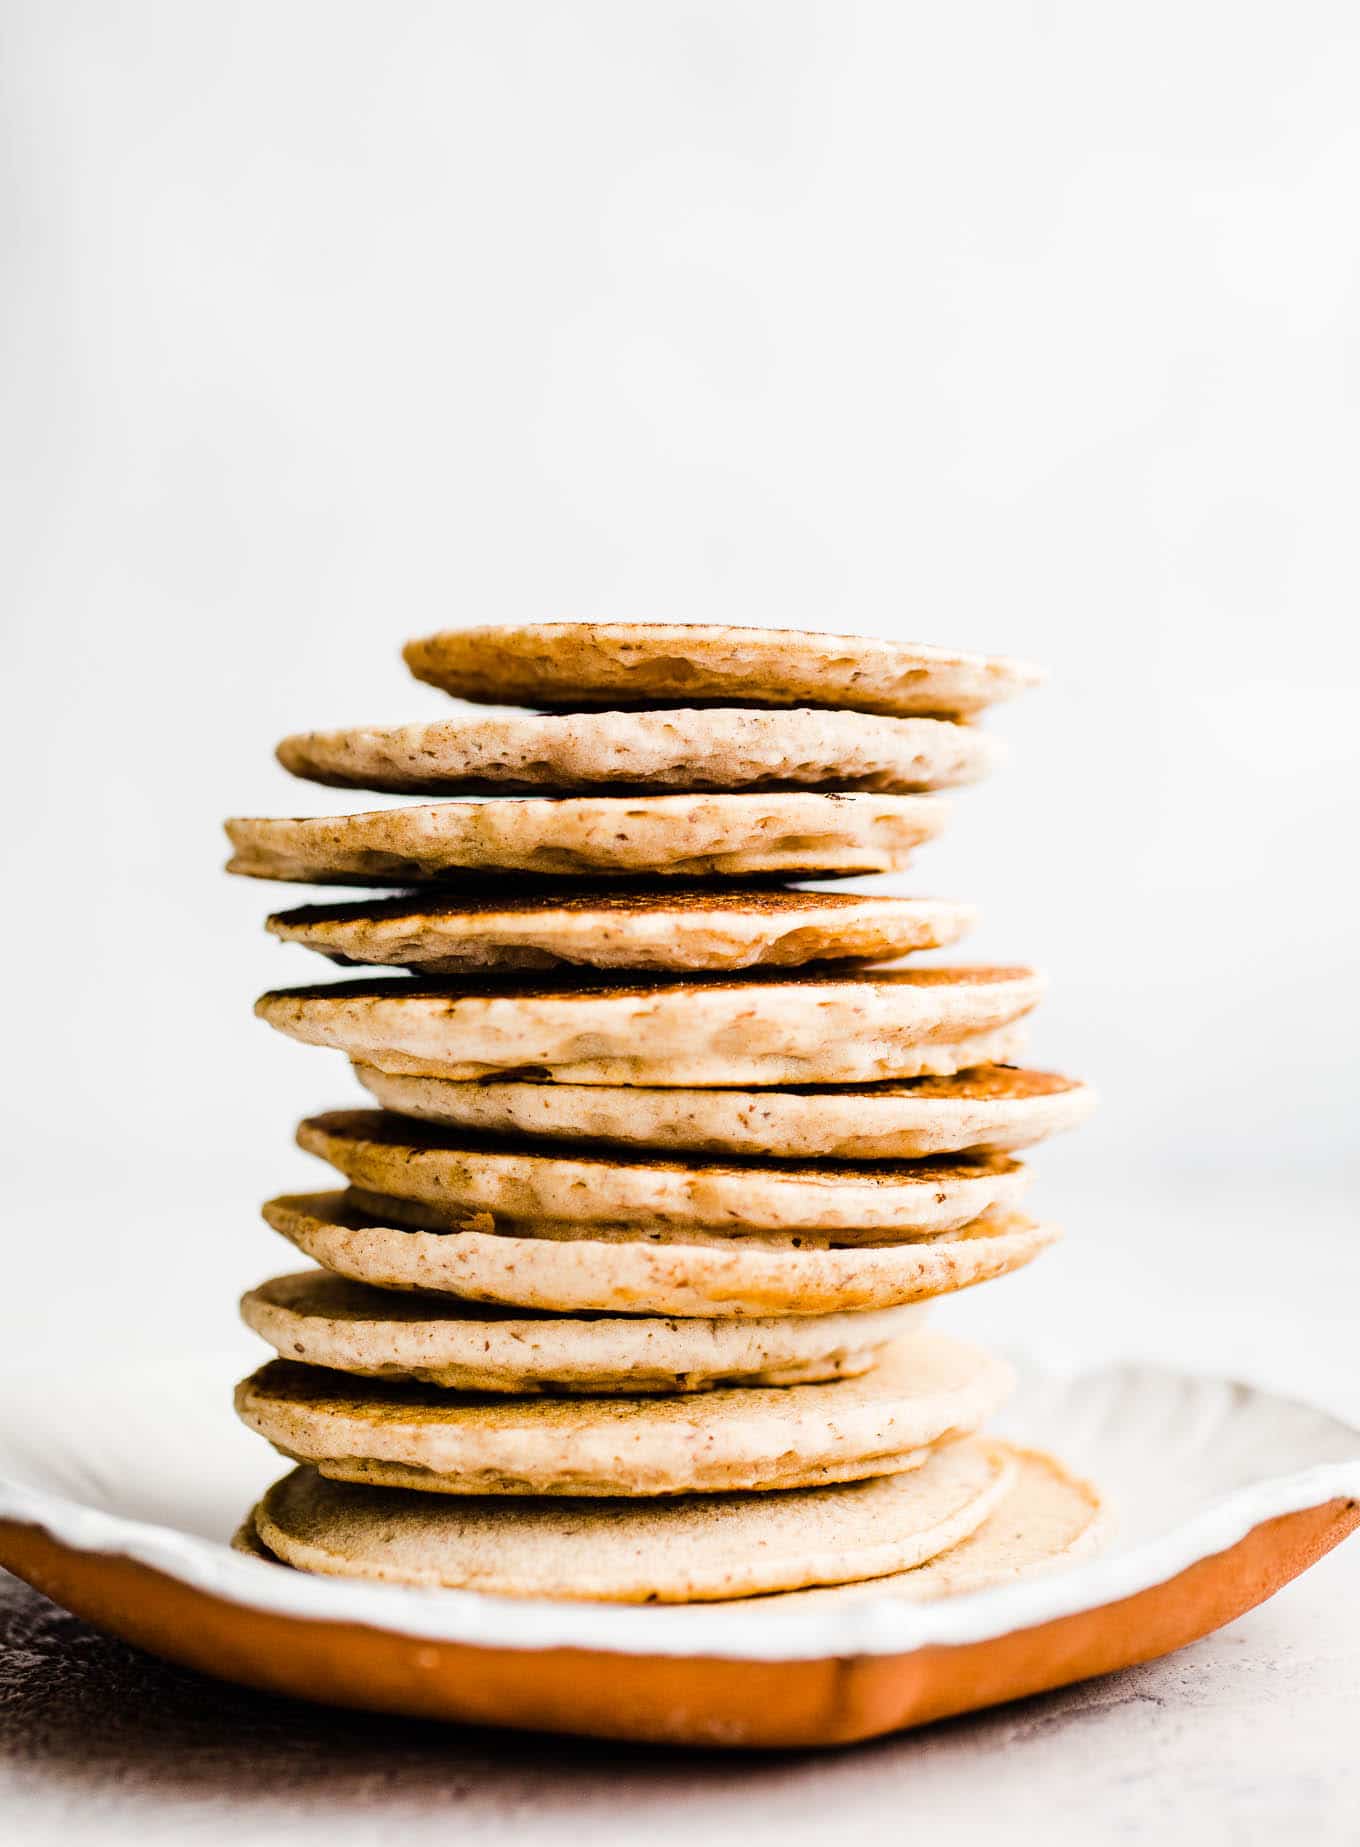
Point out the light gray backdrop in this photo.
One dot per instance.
(1031, 329)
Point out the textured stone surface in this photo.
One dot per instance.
(1248, 1737)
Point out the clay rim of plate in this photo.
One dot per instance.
(872, 1626)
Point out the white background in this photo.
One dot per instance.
(1031, 328)
(1025, 329)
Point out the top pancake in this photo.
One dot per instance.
(721, 748)
(583, 666)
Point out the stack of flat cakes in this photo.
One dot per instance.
(624, 1296)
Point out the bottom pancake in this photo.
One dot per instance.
(1048, 1517)
(1044, 1518)
(694, 1549)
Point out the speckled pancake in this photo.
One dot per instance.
(715, 749)
(807, 1027)
(532, 1192)
(327, 1320)
(669, 930)
(790, 832)
(246, 1539)
(586, 665)
(990, 1109)
(1046, 1517)
(692, 1549)
(925, 1387)
(397, 1244)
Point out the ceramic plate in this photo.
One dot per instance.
(119, 1505)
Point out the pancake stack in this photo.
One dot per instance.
(624, 1296)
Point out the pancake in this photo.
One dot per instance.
(989, 1109)
(246, 1539)
(394, 1244)
(673, 931)
(686, 1550)
(790, 832)
(586, 665)
(532, 1191)
(326, 1320)
(808, 1027)
(715, 749)
(1046, 1518)
(924, 1388)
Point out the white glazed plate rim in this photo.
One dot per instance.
(1325, 1450)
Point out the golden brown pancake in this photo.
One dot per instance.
(327, 1320)
(533, 1190)
(640, 751)
(988, 1109)
(580, 666)
(678, 930)
(924, 1388)
(771, 1027)
(684, 1550)
(791, 833)
(398, 1244)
